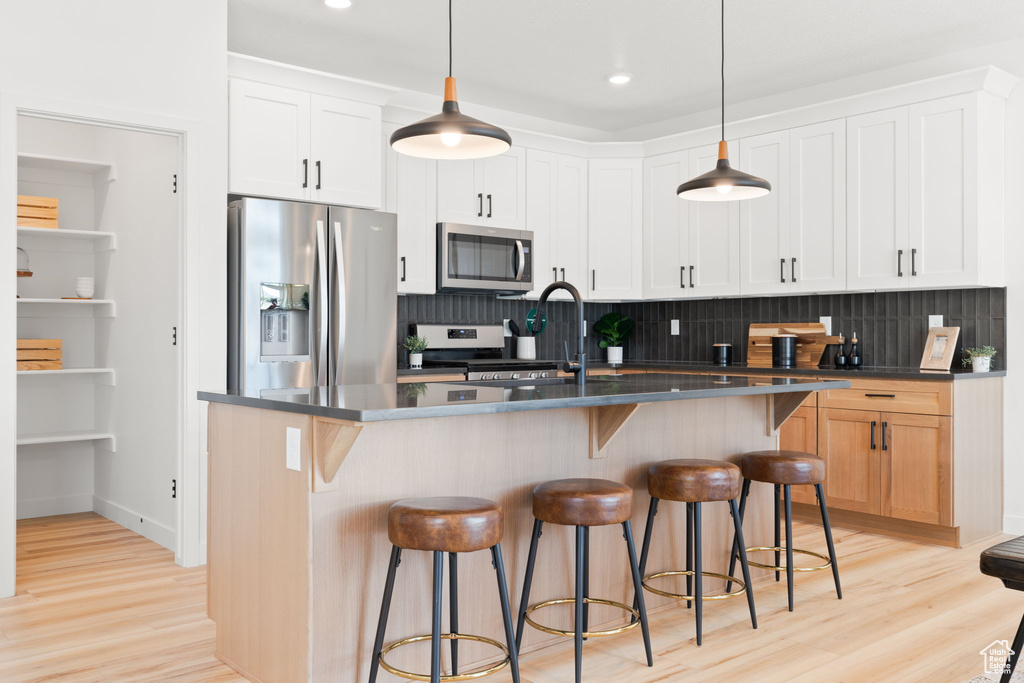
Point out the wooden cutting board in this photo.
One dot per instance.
(810, 343)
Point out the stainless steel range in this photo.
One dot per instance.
(477, 350)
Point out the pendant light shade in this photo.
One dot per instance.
(450, 134)
(723, 183)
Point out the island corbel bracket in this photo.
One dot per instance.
(605, 423)
(332, 442)
(780, 407)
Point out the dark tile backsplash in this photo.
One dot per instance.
(892, 326)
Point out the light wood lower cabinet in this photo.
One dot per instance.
(800, 433)
(849, 442)
(916, 468)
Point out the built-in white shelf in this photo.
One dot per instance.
(88, 241)
(101, 171)
(103, 308)
(66, 437)
(102, 375)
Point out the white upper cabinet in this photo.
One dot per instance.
(268, 140)
(344, 147)
(489, 191)
(666, 227)
(712, 268)
(817, 207)
(412, 194)
(556, 213)
(615, 239)
(765, 262)
(293, 145)
(877, 182)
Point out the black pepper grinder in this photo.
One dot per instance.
(853, 358)
(840, 359)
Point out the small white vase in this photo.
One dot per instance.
(981, 363)
(526, 348)
(415, 361)
(615, 355)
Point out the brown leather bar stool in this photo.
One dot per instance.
(695, 482)
(785, 469)
(445, 525)
(1005, 561)
(583, 503)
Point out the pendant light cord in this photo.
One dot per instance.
(723, 68)
(450, 39)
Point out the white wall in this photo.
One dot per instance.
(165, 59)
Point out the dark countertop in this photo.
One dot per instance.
(863, 373)
(378, 402)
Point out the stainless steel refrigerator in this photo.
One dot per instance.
(312, 294)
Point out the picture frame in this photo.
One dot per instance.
(940, 348)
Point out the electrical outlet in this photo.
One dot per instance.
(675, 327)
(508, 331)
(293, 448)
(826, 320)
(935, 321)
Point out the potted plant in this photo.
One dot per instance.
(415, 346)
(979, 358)
(615, 330)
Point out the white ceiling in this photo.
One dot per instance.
(550, 58)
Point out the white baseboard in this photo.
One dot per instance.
(202, 553)
(158, 533)
(1013, 524)
(47, 507)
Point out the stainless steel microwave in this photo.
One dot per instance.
(473, 258)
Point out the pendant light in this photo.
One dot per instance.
(450, 134)
(723, 183)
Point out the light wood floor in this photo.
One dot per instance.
(97, 602)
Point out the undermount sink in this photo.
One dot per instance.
(536, 382)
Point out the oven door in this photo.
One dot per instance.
(475, 258)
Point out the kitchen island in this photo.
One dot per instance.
(300, 481)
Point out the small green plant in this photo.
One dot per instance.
(983, 352)
(414, 344)
(414, 390)
(614, 329)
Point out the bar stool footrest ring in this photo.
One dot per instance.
(818, 568)
(634, 621)
(742, 587)
(480, 673)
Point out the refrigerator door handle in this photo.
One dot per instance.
(337, 305)
(521, 260)
(322, 297)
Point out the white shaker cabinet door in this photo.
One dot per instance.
(541, 215)
(569, 230)
(615, 239)
(460, 199)
(877, 235)
(765, 261)
(504, 189)
(666, 227)
(269, 141)
(714, 235)
(412, 194)
(944, 232)
(345, 152)
(818, 207)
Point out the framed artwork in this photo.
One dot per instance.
(939, 349)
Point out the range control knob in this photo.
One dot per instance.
(543, 374)
(514, 375)
(533, 375)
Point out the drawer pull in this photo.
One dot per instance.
(879, 395)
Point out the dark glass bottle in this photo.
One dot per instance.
(853, 359)
(840, 359)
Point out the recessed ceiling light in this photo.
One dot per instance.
(338, 4)
(620, 78)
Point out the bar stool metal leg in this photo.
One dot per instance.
(586, 578)
(789, 547)
(778, 539)
(578, 617)
(435, 630)
(1011, 661)
(382, 621)
(453, 611)
(738, 525)
(828, 538)
(506, 613)
(698, 569)
(652, 512)
(689, 551)
(527, 582)
(634, 568)
(735, 541)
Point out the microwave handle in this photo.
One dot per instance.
(521, 256)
